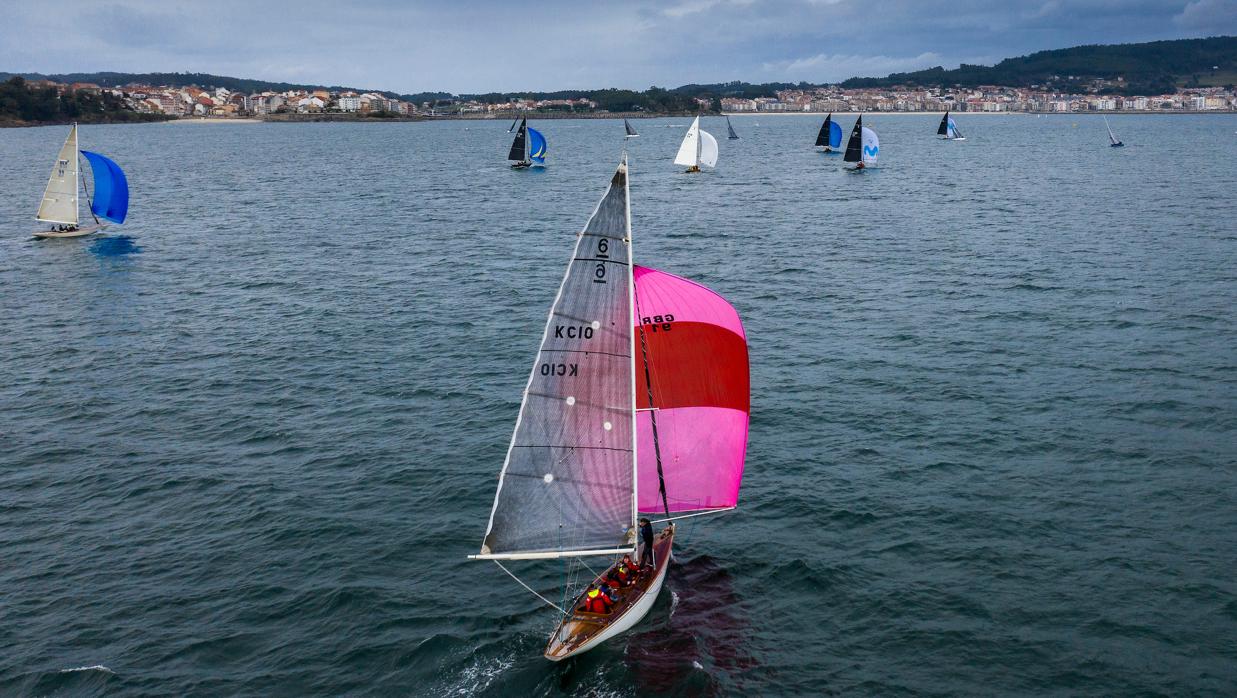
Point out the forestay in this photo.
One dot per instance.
(568, 483)
(854, 150)
(689, 150)
(59, 203)
(698, 378)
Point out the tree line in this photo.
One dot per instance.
(23, 103)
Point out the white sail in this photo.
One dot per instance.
(59, 203)
(1111, 138)
(708, 149)
(568, 485)
(689, 151)
(871, 146)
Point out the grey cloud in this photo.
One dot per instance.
(559, 44)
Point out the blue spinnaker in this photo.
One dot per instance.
(536, 145)
(111, 189)
(835, 135)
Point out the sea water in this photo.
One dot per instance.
(245, 449)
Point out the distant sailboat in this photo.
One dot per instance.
(949, 129)
(625, 350)
(699, 147)
(1112, 140)
(730, 131)
(60, 201)
(528, 148)
(514, 121)
(862, 148)
(631, 132)
(830, 135)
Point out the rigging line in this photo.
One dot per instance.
(89, 202)
(530, 589)
(648, 383)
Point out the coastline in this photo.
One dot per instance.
(980, 113)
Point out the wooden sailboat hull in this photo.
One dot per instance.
(581, 631)
(84, 230)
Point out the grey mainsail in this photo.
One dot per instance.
(568, 483)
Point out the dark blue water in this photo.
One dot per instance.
(245, 449)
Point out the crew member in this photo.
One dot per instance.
(646, 535)
(595, 601)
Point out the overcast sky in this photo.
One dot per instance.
(483, 45)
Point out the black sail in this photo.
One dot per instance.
(630, 131)
(854, 147)
(943, 129)
(519, 147)
(733, 136)
(822, 138)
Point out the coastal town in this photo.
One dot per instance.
(982, 99)
(221, 103)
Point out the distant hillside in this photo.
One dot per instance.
(203, 80)
(25, 105)
(1150, 68)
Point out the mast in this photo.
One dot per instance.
(698, 139)
(631, 304)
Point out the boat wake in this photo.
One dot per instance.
(96, 667)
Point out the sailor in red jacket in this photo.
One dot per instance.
(595, 601)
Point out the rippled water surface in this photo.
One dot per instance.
(245, 448)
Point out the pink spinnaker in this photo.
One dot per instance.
(698, 368)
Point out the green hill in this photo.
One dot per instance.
(202, 80)
(1148, 68)
(22, 105)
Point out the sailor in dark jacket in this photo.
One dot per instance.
(646, 535)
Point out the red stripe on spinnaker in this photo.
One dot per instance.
(693, 364)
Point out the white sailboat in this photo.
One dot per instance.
(699, 147)
(59, 206)
(617, 343)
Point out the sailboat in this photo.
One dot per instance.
(949, 130)
(631, 132)
(730, 131)
(1112, 140)
(699, 147)
(60, 201)
(830, 135)
(514, 121)
(862, 147)
(638, 402)
(528, 148)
